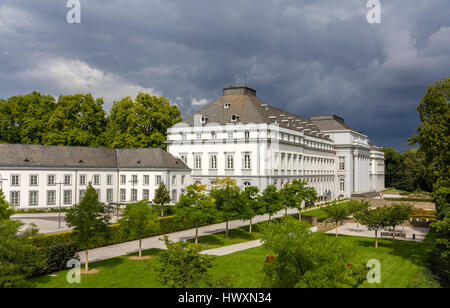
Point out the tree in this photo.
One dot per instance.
(137, 220)
(228, 199)
(77, 120)
(393, 167)
(196, 207)
(297, 195)
(306, 259)
(375, 220)
(162, 197)
(271, 200)
(358, 209)
(19, 257)
(182, 266)
(141, 123)
(5, 208)
(87, 219)
(433, 131)
(397, 213)
(250, 205)
(337, 213)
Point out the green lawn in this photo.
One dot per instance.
(235, 236)
(320, 213)
(401, 266)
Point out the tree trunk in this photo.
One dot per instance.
(140, 248)
(285, 211)
(196, 235)
(250, 228)
(337, 229)
(300, 215)
(86, 265)
(376, 238)
(393, 234)
(357, 226)
(226, 231)
(162, 210)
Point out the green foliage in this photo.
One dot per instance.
(79, 120)
(228, 199)
(182, 266)
(304, 259)
(376, 220)
(87, 218)
(162, 197)
(19, 257)
(433, 131)
(141, 123)
(5, 208)
(337, 212)
(271, 200)
(297, 194)
(137, 220)
(196, 207)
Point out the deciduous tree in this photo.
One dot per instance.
(162, 197)
(87, 219)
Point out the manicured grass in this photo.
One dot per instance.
(402, 264)
(320, 213)
(235, 236)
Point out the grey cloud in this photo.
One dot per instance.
(309, 57)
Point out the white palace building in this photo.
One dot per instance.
(236, 136)
(241, 137)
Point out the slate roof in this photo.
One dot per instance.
(243, 102)
(330, 122)
(25, 155)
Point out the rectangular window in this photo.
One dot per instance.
(14, 198)
(123, 195)
(134, 179)
(229, 163)
(174, 180)
(51, 197)
(34, 198)
(67, 179)
(15, 180)
(34, 180)
(246, 162)
(341, 163)
(109, 179)
(83, 179)
(174, 196)
(183, 180)
(51, 180)
(123, 179)
(99, 194)
(134, 195)
(213, 162)
(146, 180)
(197, 162)
(97, 179)
(109, 195)
(230, 135)
(67, 197)
(342, 185)
(184, 158)
(81, 193)
(157, 180)
(145, 194)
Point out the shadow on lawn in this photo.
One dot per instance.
(415, 252)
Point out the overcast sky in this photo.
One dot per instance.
(307, 57)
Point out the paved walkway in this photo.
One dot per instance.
(354, 230)
(121, 249)
(226, 250)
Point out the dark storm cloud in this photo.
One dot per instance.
(309, 57)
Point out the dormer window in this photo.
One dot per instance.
(226, 105)
(234, 118)
(204, 119)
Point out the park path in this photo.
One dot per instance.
(121, 249)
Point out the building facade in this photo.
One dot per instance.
(34, 176)
(241, 137)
